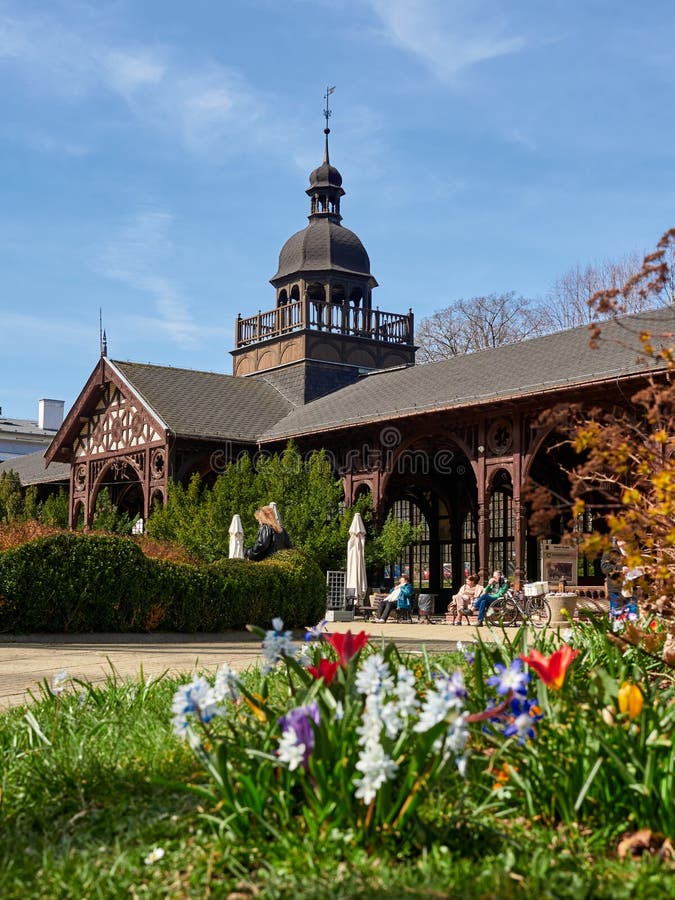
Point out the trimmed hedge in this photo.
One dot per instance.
(76, 583)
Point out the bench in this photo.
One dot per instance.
(365, 612)
(369, 610)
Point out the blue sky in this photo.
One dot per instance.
(155, 155)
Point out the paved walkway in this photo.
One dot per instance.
(27, 660)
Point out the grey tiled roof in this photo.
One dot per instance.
(24, 427)
(31, 469)
(547, 363)
(206, 404)
(323, 246)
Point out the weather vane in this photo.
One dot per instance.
(327, 111)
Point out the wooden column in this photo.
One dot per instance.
(519, 523)
(483, 523)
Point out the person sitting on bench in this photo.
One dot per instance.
(401, 597)
(462, 601)
(496, 587)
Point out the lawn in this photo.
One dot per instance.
(94, 798)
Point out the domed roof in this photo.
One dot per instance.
(325, 176)
(323, 246)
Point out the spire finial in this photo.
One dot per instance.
(327, 114)
(102, 339)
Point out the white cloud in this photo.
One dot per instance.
(23, 330)
(448, 36)
(211, 106)
(203, 102)
(127, 71)
(38, 139)
(135, 258)
(519, 137)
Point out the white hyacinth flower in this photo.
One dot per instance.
(276, 644)
(227, 685)
(405, 692)
(377, 768)
(370, 728)
(290, 750)
(391, 720)
(196, 698)
(302, 656)
(373, 676)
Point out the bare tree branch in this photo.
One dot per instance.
(479, 323)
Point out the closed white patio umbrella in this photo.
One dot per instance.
(356, 558)
(236, 538)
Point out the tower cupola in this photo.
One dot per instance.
(325, 189)
(323, 332)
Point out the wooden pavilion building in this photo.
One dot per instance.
(449, 445)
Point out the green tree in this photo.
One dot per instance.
(54, 510)
(176, 520)
(393, 538)
(31, 506)
(11, 497)
(309, 496)
(310, 500)
(107, 516)
(235, 492)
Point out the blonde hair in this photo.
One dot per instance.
(266, 516)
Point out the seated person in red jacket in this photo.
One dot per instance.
(271, 535)
(401, 597)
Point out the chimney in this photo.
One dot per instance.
(50, 414)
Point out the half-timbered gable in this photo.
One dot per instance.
(135, 426)
(118, 423)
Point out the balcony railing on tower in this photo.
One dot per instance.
(332, 318)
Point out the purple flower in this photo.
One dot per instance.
(315, 632)
(524, 713)
(297, 741)
(512, 679)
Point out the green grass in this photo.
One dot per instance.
(91, 783)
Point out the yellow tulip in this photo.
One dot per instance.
(630, 699)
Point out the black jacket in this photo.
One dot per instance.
(268, 542)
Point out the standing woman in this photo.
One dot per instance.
(271, 537)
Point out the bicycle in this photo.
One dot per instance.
(518, 606)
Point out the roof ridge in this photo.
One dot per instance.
(131, 362)
(279, 391)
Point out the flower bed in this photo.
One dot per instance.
(343, 733)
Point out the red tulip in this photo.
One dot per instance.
(326, 670)
(347, 645)
(551, 669)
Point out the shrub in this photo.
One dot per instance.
(72, 583)
(166, 550)
(69, 582)
(17, 533)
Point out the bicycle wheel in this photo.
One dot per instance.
(503, 611)
(538, 611)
